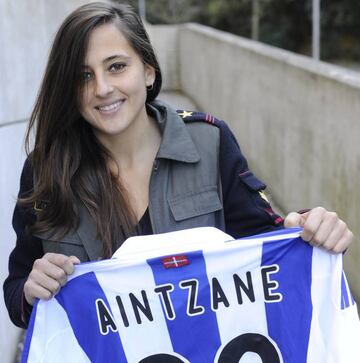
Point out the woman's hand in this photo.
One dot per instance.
(48, 275)
(321, 228)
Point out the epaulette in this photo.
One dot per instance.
(196, 116)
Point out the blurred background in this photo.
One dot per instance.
(286, 24)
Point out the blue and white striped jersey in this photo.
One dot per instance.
(265, 299)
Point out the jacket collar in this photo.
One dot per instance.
(176, 143)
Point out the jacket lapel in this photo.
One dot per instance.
(88, 236)
(173, 128)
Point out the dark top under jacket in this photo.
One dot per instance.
(246, 213)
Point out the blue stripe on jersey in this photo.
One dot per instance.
(81, 311)
(29, 334)
(289, 320)
(344, 295)
(201, 330)
(345, 303)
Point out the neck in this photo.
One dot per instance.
(136, 145)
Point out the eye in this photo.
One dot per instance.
(86, 76)
(117, 67)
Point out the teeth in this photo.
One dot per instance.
(110, 107)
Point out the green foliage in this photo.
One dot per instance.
(341, 29)
(233, 16)
(287, 24)
(168, 11)
(283, 23)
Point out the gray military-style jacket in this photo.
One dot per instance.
(185, 186)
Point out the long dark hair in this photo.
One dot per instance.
(71, 168)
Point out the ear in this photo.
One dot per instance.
(149, 75)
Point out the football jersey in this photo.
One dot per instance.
(264, 299)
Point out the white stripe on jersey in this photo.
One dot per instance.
(153, 335)
(245, 313)
(45, 345)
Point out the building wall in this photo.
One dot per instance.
(297, 120)
(26, 31)
(10, 166)
(164, 39)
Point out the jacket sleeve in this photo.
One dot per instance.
(27, 249)
(246, 210)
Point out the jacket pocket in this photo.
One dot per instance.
(198, 203)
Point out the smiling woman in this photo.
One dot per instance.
(110, 162)
(114, 90)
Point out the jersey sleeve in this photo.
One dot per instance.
(246, 209)
(27, 249)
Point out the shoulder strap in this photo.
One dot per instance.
(196, 116)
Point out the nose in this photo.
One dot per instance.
(103, 86)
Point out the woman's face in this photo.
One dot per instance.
(114, 83)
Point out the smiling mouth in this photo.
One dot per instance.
(110, 108)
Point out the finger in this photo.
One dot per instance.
(57, 259)
(68, 265)
(335, 235)
(39, 278)
(47, 268)
(64, 262)
(312, 222)
(44, 294)
(328, 224)
(74, 260)
(43, 290)
(293, 219)
(33, 291)
(344, 242)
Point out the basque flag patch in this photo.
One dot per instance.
(175, 261)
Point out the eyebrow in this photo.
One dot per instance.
(110, 58)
